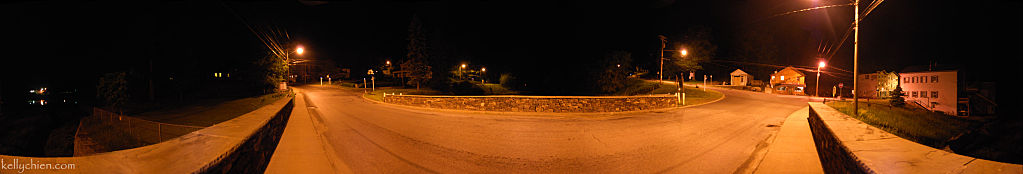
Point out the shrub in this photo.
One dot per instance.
(509, 81)
(466, 88)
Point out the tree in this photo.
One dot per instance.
(758, 46)
(271, 70)
(699, 50)
(612, 71)
(416, 64)
(112, 90)
(896, 97)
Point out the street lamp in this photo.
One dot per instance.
(815, 89)
(460, 74)
(684, 52)
(483, 79)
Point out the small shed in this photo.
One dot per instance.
(740, 78)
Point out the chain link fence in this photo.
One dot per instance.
(142, 132)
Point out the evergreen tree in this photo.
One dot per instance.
(419, 70)
(896, 97)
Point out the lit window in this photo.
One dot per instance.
(782, 77)
(934, 94)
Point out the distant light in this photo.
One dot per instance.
(463, 65)
(388, 62)
(32, 91)
(684, 52)
(483, 69)
(300, 50)
(619, 65)
(821, 64)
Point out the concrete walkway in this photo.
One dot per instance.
(792, 150)
(302, 149)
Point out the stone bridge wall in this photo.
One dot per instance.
(847, 145)
(537, 103)
(240, 145)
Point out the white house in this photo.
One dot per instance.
(740, 78)
(935, 90)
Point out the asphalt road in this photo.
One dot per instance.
(719, 137)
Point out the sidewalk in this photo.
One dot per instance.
(793, 149)
(301, 149)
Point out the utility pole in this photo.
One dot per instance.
(856, 56)
(660, 73)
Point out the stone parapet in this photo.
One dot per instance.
(515, 103)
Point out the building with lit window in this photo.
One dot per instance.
(876, 85)
(788, 81)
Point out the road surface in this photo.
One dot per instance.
(719, 137)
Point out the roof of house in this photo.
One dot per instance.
(926, 68)
(738, 72)
(791, 69)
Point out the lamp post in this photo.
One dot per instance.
(483, 79)
(818, 87)
(856, 55)
(287, 56)
(660, 71)
(460, 74)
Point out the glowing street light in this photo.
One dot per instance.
(684, 52)
(460, 71)
(483, 79)
(300, 50)
(818, 87)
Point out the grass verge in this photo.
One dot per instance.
(208, 114)
(694, 96)
(918, 125)
(378, 95)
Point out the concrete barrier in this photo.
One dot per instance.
(847, 145)
(240, 145)
(514, 103)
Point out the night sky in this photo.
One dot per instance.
(61, 43)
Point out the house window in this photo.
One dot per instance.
(923, 94)
(782, 77)
(934, 79)
(934, 94)
(914, 94)
(905, 80)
